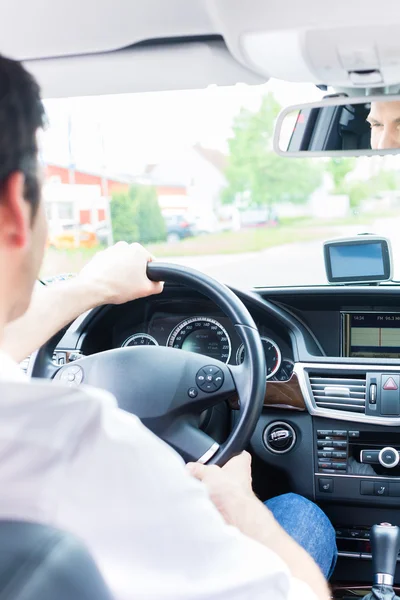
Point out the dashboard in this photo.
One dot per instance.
(330, 425)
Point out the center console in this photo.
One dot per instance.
(356, 464)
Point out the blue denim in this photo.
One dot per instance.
(306, 523)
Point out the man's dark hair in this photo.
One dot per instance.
(21, 115)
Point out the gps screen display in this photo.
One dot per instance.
(371, 335)
(359, 260)
(365, 259)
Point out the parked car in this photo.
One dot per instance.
(73, 236)
(179, 227)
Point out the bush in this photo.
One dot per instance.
(123, 218)
(357, 192)
(136, 216)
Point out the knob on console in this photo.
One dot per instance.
(389, 457)
(279, 437)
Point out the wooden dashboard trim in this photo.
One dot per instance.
(285, 394)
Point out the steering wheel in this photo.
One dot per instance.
(169, 388)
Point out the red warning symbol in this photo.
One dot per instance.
(390, 384)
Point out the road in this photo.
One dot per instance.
(291, 264)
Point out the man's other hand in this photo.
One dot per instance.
(230, 487)
(118, 274)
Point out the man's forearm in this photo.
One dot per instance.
(52, 307)
(258, 523)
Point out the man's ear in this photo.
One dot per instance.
(15, 212)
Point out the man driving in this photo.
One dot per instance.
(384, 119)
(70, 458)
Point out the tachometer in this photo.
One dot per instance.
(140, 339)
(272, 356)
(203, 335)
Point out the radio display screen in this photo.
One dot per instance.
(371, 335)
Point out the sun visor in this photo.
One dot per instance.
(363, 57)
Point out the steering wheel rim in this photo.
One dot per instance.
(176, 421)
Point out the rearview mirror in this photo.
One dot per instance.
(340, 126)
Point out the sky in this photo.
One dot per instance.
(126, 132)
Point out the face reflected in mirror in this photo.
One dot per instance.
(384, 119)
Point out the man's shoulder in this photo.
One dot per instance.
(52, 395)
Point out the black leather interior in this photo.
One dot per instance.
(38, 562)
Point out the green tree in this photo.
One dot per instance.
(123, 218)
(384, 181)
(257, 175)
(357, 192)
(150, 222)
(339, 168)
(136, 216)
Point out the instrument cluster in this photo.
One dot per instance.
(212, 337)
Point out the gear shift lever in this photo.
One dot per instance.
(385, 544)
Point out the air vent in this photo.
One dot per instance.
(339, 391)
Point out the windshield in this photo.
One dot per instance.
(192, 176)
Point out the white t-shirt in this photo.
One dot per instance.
(70, 458)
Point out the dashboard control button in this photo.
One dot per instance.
(325, 464)
(354, 434)
(394, 490)
(339, 454)
(324, 454)
(339, 444)
(208, 387)
(342, 533)
(390, 395)
(210, 379)
(340, 433)
(72, 376)
(355, 533)
(389, 457)
(325, 485)
(324, 432)
(381, 489)
(373, 389)
(328, 471)
(211, 370)
(218, 379)
(339, 465)
(279, 437)
(367, 488)
(369, 456)
(390, 384)
(325, 444)
(192, 392)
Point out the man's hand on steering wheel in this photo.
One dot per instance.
(113, 276)
(118, 275)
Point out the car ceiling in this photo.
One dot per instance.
(110, 46)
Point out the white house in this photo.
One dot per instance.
(200, 171)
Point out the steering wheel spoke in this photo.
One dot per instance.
(190, 442)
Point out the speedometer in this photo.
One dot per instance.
(272, 356)
(202, 335)
(140, 339)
